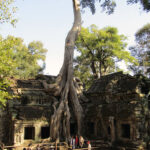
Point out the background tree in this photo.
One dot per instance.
(142, 51)
(99, 52)
(20, 61)
(7, 67)
(30, 59)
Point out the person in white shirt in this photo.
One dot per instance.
(89, 145)
(72, 142)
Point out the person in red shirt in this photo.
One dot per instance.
(77, 142)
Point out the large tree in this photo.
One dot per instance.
(65, 86)
(100, 50)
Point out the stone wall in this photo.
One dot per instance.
(118, 109)
(26, 132)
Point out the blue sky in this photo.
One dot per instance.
(50, 20)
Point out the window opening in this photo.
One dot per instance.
(45, 132)
(24, 100)
(29, 133)
(125, 130)
(90, 126)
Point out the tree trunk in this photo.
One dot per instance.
(92, 65)
(65, 86)
(100, 68)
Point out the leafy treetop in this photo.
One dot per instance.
(99, 52)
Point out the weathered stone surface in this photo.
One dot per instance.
(119, 110)
(116, 107)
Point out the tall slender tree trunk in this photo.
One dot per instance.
(65, 85)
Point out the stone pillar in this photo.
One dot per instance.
(37, 132)
(95, 128)
(112, 128)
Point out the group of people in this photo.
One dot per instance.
(75, 142)
(78, 142)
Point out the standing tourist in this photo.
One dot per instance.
(72, 142)
(81, 141)
(89, 145)
(77, 142)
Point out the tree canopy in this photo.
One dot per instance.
(30, 59)
(99, 52)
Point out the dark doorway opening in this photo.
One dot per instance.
(24, 100)
(90, 126)
(108, 130)
(90, 129)
(125, 130)
(45, 132)
(73, 128)
(29, 133)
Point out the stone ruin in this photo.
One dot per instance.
(116, 106)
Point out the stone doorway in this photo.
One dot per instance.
(73, 129)
(125, 130)
(45, 132)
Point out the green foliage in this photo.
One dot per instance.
(142, 51)
(7, 67)
(20, 61)
(30, 59)
(99, 51)
(7, 11)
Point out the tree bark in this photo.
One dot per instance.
(64, 84)
(92, 65)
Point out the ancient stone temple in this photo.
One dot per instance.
(28, 115)
(116, 107)
(119, 110)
